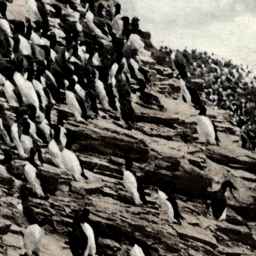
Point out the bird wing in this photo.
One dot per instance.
(218, 204)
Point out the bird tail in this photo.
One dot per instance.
(86, 253)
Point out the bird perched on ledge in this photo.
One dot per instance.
(206, 128)
(218, 201)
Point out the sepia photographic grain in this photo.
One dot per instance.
(127, 128)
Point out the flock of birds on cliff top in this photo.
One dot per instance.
(88, 57)
(226, 85)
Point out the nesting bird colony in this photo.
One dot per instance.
(97, 159)
(227, 85)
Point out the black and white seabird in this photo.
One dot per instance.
(206, 128)
(218, 201)
(139, 180)
(82, 237)
(130, 184)
(170, 204)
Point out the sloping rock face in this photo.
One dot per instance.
(166, 152)
(165, 149)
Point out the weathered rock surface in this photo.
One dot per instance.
(166, 151)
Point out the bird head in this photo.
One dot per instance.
(128, 164)
(81, 215)
(228, 184)
(117, 9)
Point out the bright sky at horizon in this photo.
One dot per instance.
(225, 27)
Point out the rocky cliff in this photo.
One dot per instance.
(164, 147)
(166, 151)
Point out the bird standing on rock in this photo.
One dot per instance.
(206, 128)
(170, 205)
(16, 128)
(67, 159)
(124, 95)
(72, 102)
(26, 90)
(58, 141)
(82, 237)
(101, 93)
(25, 139)
(188, 93)
(139, 179)
(131, 186)
(218, 201)
(71, 163)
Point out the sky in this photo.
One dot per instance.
(225, 27)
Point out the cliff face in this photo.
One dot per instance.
(157, 146)
(166, 151)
